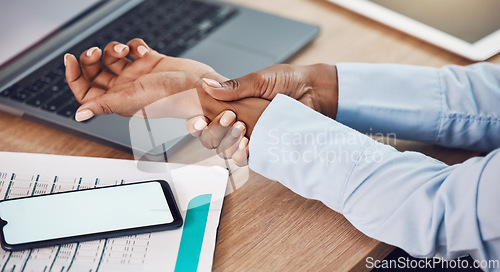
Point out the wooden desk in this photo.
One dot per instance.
(265, 226)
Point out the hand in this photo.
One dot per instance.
(315, 86)
(154, 83)
(131, 85)
(224, 133)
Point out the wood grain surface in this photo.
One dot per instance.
(265, 226)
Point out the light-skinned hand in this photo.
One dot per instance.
(106, 82)
(127, 86)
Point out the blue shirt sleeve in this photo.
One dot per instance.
(401, 198)
(455, 106)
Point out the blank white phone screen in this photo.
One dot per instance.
(84, 212)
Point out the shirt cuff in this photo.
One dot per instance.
(300, 148)
(390, 100)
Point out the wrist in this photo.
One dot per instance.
(247, 110)
(323, 82)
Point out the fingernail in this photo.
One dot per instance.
(91, 51)
(200, 124)
(66, 58)
(227, 118)
(83, 115)
(141, 49)
(243, 143)
(212, 83)
(119, 48)
(237, 129)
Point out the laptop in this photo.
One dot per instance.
(468, 28)
(234, 40)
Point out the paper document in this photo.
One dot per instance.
(199, 191)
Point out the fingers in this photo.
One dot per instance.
(217, 129)
(145, 61)
(251, 85)
(229, 144)
(91, 84)
(118, 100)
(138, 48)
(240, 156)
(196, 125)
(90, 62)
(114, 57)
(79, 85)
(115, 54)
(233, 144)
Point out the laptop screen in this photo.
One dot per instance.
(25, 23)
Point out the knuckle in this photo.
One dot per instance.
(80, 94)
(79, 98)
(285, 66)
(233, 84)
(261, 81)
(138, 86)
(106, 108)
(257, 77)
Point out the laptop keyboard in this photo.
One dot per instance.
(168, 26)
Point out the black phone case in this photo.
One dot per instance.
(177, 223)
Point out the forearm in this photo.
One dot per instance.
(453, 106)
(402, 198)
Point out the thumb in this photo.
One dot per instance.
(234, 89)
(107, 103)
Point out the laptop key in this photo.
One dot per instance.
(6, 92)
(55, 88)
(40, 98)
(22, 93)
(32, 90)
(9, 91)
(56, 103)
(46, 79)
(38, 85)
(64, 89)
(69, 110)
(58, 71)
(205, 26)
(20, 96)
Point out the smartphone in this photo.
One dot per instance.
(89, 214)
